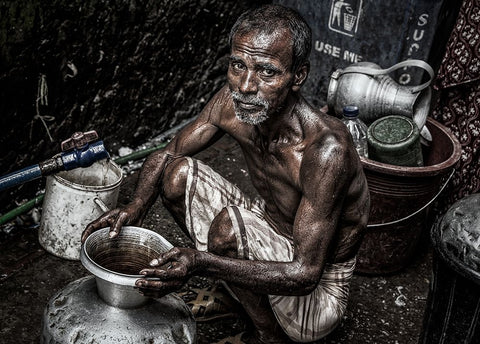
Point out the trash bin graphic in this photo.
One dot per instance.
(348, 21)
(344, 16)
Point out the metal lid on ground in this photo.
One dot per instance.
(456, 237)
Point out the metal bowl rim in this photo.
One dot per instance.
(109, 275)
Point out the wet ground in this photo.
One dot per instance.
(381, 309)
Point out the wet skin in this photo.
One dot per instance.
(300, 160)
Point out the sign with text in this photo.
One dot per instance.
(382, 32)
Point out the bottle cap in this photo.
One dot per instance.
(350, 111)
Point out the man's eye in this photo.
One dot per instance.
(237, 66)
(268, 72)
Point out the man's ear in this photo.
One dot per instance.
(300, 76)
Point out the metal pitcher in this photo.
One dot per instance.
(376, 94)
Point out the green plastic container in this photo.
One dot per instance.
(395, 140)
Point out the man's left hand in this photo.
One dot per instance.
(169, 272)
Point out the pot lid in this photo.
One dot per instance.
(392, 130)
(456, 237)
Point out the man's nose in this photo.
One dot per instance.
(248, 83)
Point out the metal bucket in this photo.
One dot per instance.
(116, 262)
(400, 198)
(70, 204)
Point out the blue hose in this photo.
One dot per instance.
(21, 176)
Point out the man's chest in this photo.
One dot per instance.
(275, 173)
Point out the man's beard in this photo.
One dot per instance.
(254, 117)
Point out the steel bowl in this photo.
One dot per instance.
(116, 262)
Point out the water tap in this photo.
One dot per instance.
(80, 150)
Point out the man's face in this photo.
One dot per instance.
(259, 74)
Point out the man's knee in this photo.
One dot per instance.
(221, 236)
(175, 179)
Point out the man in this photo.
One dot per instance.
(288, 256)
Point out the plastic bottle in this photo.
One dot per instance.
(357, 129)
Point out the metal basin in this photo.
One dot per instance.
(116, 262)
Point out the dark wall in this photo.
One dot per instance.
(128, 69)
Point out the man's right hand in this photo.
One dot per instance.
(131, 214)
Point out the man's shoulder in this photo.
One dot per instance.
(326, 138)
(321, 128)
(219, 107)
(222, 99)
(219, 112)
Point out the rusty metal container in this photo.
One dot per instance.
(400, 198)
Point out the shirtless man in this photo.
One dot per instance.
(288, 255)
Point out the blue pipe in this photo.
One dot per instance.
(78, 157)
(20, 177)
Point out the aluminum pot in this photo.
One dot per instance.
(116, 262)
(76, 314)
(105, 308)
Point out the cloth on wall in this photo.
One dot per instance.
(458, 101)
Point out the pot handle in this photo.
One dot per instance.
(417, 211)
(103, 207)
(407, 63)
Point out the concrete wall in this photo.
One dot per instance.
(129, 69)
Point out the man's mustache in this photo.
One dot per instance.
(249, 99)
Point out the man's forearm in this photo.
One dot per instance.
(149, 180)
(275, 278)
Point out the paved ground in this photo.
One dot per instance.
(382, 309)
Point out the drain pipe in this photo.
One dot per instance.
(121, 160)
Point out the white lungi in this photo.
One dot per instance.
(304, 318)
